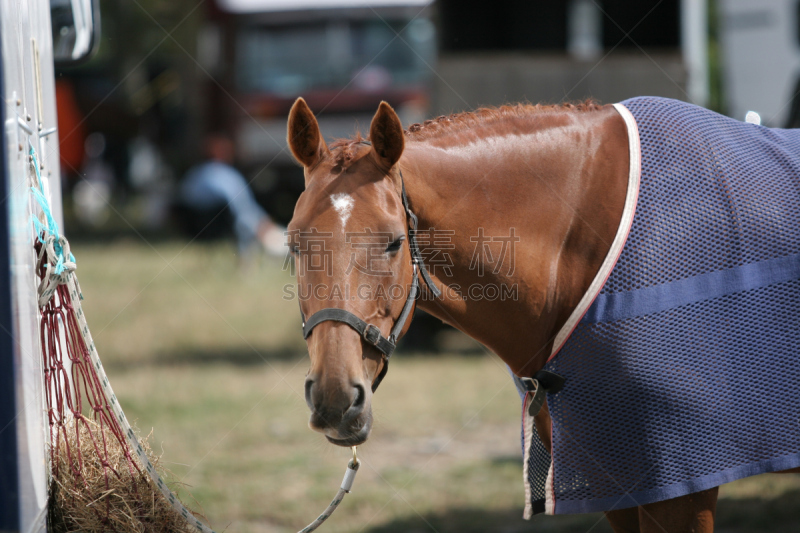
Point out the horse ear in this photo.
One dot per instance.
(386, 134)
(305, 139)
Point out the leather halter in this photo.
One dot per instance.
(369, 332)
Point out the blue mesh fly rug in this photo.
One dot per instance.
(682, 364)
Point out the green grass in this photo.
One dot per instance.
(212, 358)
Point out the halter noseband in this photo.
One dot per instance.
(369, 332)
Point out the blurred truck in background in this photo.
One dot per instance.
(343, 57)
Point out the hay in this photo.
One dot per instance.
(85, 496)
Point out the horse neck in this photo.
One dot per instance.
(514, 226)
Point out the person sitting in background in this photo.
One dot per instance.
(214, 186)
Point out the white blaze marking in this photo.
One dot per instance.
(343, 205)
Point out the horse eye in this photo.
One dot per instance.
(394, 246)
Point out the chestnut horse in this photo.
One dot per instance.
(557, 175)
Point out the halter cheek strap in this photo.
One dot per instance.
(369, 332)
(416, 255)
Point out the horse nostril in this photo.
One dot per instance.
(358, 403)
(309, 384)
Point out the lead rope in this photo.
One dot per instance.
(60, 267)
(347, 484)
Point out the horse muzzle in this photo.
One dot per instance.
(343, 414)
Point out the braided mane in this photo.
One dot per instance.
(457, 122)
(445, 125)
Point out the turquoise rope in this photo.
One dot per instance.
(52, 226)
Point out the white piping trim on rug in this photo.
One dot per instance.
(624, 228)
(528, 429)
(549, 494)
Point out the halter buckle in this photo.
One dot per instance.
(372, 334)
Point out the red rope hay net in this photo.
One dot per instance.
(66, 387)
(97, 483)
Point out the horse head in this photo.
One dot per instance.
(356, 280)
